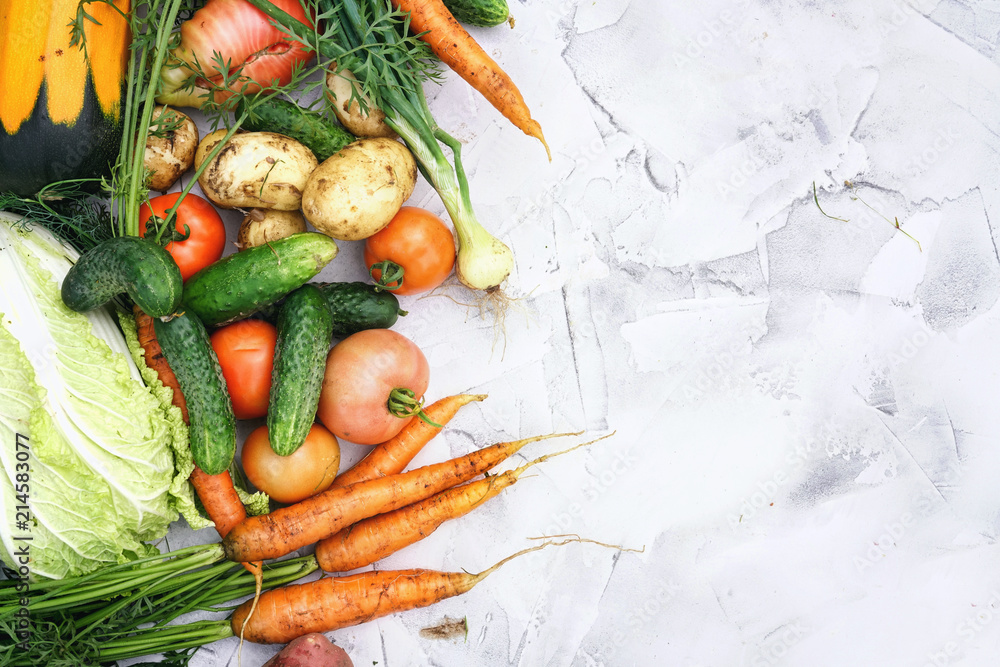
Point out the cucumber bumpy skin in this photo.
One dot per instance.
(482, 13)
(305, 328)
(358, 306)
(309, 128)
(212, 424)
(242, 283)
(140, 268)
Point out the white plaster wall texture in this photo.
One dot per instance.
(807, 441)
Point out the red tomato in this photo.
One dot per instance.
(419, 242)
(208, 233)
(361, 371)
(246, 353)
(309, 470)
(244, 35)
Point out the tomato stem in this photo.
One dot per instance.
(404, 403)
(390, 275)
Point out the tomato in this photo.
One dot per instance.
(309, 470)
(208, 233)
(419, 242)
(361, 372)
(246, 353)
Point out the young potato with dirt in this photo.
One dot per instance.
(356, 192)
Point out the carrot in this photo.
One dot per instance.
(155, 359)
(456, 48)
(313, 519)
(332, 603)
(223, 505)
(393, 455)
(220, 499)
(376, 537)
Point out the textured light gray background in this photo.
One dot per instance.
(808, 445)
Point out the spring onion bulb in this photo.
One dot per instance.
(484, 261)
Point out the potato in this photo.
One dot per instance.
(258, 170)
(371, 124)
(207, 143)
(169, 156)
(263, 225)
(312, 650)
(356, 192)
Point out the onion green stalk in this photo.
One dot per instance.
(126, 611)
(370, 39)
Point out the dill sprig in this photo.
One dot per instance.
(69, 209)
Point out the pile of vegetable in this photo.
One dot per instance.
(128, 360)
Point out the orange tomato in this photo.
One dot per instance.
(309, 470)
(418, 241)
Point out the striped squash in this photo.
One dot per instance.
(60, 108)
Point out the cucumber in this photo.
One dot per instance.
(307, 127)
(242, 283)
(359, 306)
(305, 328)
(142, 269)
(355, 307)
(483, 13)
(212, 425)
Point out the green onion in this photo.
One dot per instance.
(125, 611)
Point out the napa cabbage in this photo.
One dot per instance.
(92, 454)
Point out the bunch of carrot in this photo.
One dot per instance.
(372, 510)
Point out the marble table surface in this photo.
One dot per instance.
(764, 255)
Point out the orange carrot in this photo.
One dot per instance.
(155, 359)
(220, 499)
(313, 519)
(223, 505)
(216, 492)
(332, 603)
(456, 48)
(393, 455)
(376, 537)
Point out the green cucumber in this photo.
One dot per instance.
(212, 425)
(242, 283)
(483, 13)
(355, 307)
(359, 306)
(305, 328)
(307, 127)
(142, 269)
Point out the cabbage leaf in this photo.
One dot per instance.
(107, 458)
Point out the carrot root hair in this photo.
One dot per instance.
(551, 541)
(573, 537)
(257, 569)
(517, 472)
